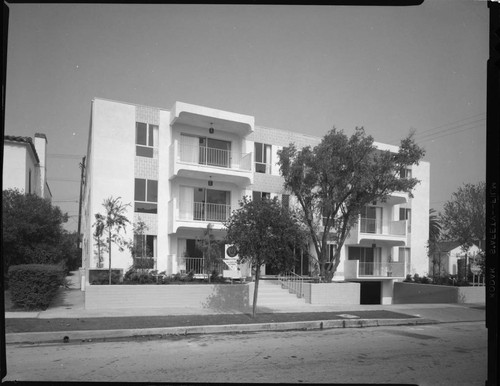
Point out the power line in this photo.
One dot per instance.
(448, 129)
(452, 124)
(56, 155)
(444, 135)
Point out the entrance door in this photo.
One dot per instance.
(371, 292)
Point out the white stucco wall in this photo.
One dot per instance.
(112, 162)
(420, 219)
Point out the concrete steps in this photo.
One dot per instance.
(271, 294)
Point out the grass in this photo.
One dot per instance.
(14, 325)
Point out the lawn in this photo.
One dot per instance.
(13, 325)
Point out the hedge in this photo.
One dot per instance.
(34, 286)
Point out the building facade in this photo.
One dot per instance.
(24, 165)
(187, 167)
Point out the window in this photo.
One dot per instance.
(371, 219)
(145, 245)
(285, 201)
(405, 214)
(146, 139)
(262, 158)
(257, 196)
(405, 256)
(29, 182)
(146, 195)
(405, 173)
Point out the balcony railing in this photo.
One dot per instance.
(395, 269)
(204, 211)
(371, 225)
(210, 156)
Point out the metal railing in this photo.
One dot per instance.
(203, 211)
(371, 225)
(211, 156)
(395, 269)
(293, 282)
(196, 265)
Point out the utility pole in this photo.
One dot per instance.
(79, 240)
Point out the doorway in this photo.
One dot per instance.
(371, 292)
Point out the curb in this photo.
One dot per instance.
(89, 335)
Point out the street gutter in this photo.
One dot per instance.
(160, 332)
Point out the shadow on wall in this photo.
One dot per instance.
(228, 297)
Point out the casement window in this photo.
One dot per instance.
(405, 173)
(146, 139)
(145, 245)
(257, 196)
(29, 182)
(405, 256)
(262, 158)
(285, 201)
(146, 196)
(405, 214)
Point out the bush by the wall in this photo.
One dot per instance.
(101, 276)
(134, 276)
(33, 286)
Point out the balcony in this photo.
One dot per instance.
(188, 214)
(355, 269)
(372, 230)
(202, 162)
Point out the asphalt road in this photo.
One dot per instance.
(438, 354)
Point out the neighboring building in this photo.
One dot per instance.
(24, 165)
(189, 166)
(445, 260)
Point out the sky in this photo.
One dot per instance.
(300, 68)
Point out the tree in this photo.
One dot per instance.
(264, 232)
(211, 249)
(114, 220)
(98, 234)
(32, 230)
(464, 217)
(433, 241)
(138, 247)
(336, 179)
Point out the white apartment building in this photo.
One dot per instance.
(24, 164)
(187, 167)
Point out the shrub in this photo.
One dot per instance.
(101, 276)
(34, 286)
(144, 263)
(133, 276)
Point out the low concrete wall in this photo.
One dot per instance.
(408, 293)
(213, 296)
(332, 293)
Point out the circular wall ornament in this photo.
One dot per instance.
(232, 251)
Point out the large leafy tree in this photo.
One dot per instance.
(113, 222)
(464, 217)
(32, 230)
(264, 232)
(336, 179)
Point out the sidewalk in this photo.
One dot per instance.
(67, 317)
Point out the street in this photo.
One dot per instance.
(439, 354)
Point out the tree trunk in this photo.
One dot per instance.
(256, 290)
(109, 246)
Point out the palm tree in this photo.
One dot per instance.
(114, 221)
(434, 226)
(434, 237)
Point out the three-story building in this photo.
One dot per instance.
(187, 167)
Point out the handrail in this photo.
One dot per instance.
(293, 282)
